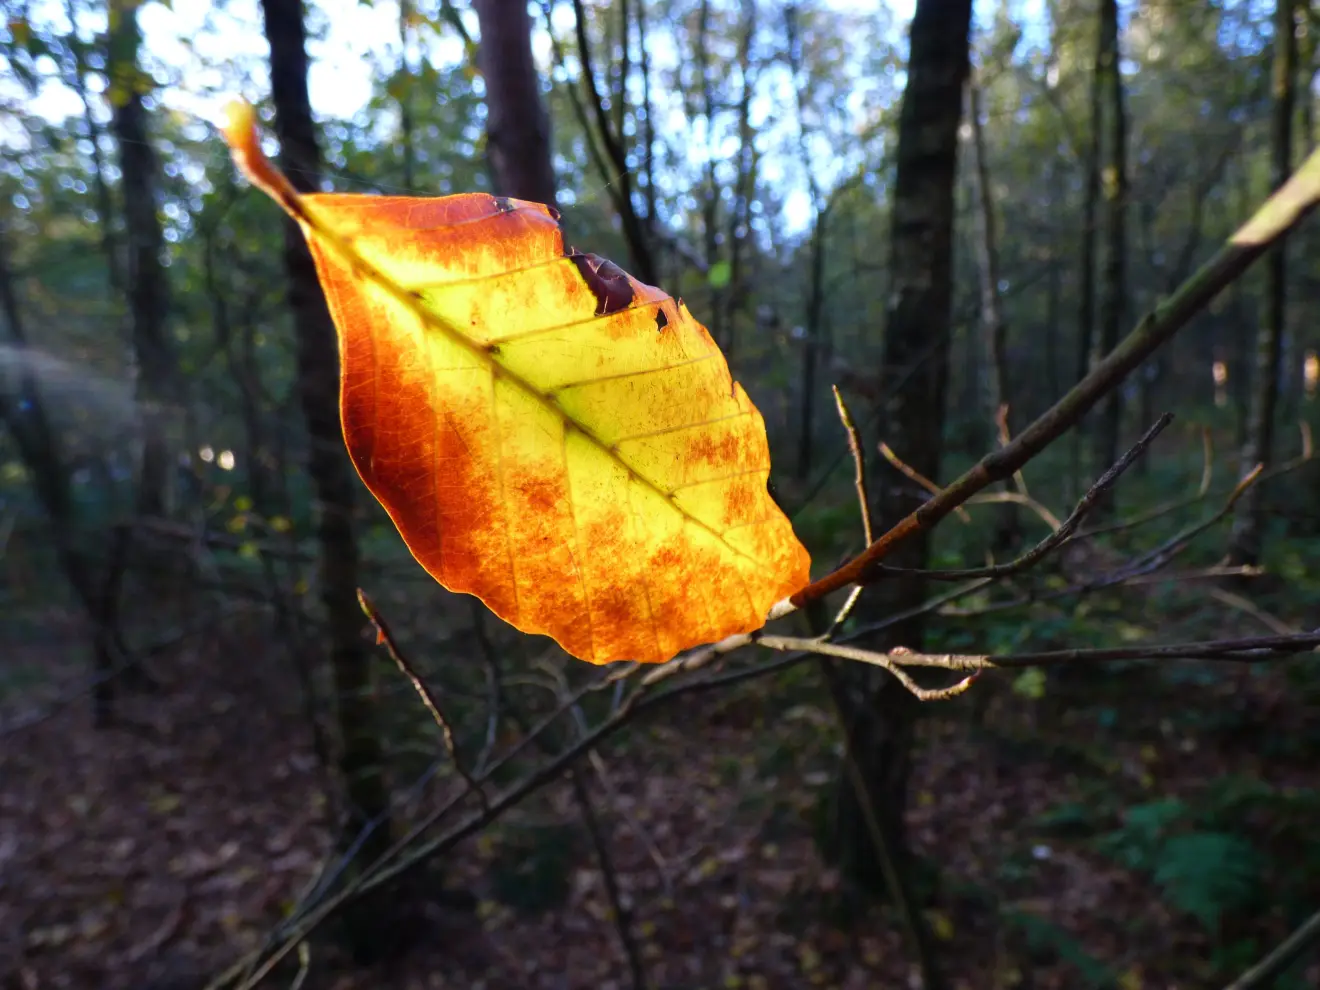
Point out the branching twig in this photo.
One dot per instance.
(622, 916)
(383, 637)
(1277, 216)
(1263, 973)
(915, 476)
(863, 498)
(859, 463)
(1250, 650)
(1060, 535)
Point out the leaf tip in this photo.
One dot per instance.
(239, 126)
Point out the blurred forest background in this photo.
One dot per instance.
(200, 747)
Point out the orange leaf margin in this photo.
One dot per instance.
(545, 431)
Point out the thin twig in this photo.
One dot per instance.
(883, 660)
(1060, 535)
(898, 883)
(1139, 567)
(1005, 438)
(859, 463)
(622, 916)
(1251, 650)
(494, 687)
(383, 637)
(915, 476)
(1017, 498)
(863, 499)
(1281, 958)
(304, 966)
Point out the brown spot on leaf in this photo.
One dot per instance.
(607, 281)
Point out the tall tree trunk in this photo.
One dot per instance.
(740, 213)
(1245, 542)
(815, 303)
(148, 289)
(994, 370)
(517, 125)
(104, 204)
(1086, 273)
(23, 412)
(360, 758)
(1113, 281)
(1054, 294)
(406, 136)
(646, 133)
(878, 713)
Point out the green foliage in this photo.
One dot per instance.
(1207, 874)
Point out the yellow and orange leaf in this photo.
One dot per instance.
(546, 432)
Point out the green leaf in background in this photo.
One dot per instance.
(719, 275)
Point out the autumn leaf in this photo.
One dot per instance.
(545, 431)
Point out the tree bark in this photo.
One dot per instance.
(815, 302)
(744, 187)
(878, 713)
(1113, 274)
(993, 376)
(1086, 274)
(1245, 541)
(148, 289)
(360, 759)
(104, 203)
(517, 126)
(23, 412)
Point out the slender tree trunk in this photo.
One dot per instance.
(878, 713)
(104, 204)
(811, 348)
(1054, 296)
(620, 173)
(710, 192)
(647, 130)
(24, 414)
(1086, 273)
(744, 186)
(148, 290)
(1113, 272)
(360, 758)
(994, 333)
(1246, 539)
(406, 136)
(517, 126)
(815, 304)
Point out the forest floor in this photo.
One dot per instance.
(149, 855)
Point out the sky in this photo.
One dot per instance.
(188, 39)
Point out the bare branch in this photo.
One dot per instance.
(1283, 211)
(859, 462)
(913, 475)
(384, 637)
(1060, 535)
(1284, 955)
(1252, 650)
(622, 916)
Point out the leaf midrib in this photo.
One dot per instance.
(484, 353)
